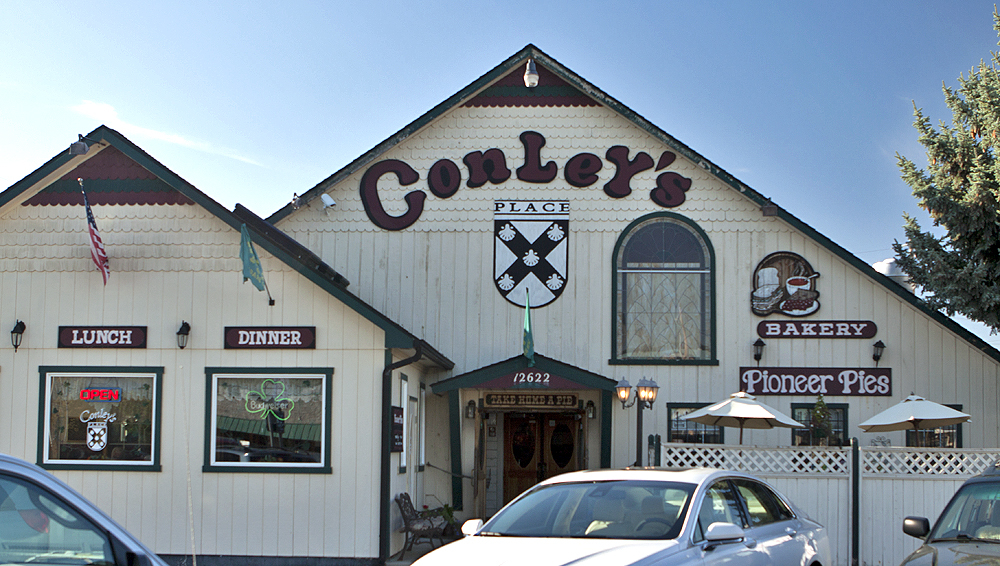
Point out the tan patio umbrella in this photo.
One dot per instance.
(914, 413)
(744, 411)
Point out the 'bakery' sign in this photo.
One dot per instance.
(817, 329)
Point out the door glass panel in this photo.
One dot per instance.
(35, 527)
(523, 444)
(763, 506)
(561, 445)
(720, 505)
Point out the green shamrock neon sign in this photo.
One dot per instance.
(270, 401)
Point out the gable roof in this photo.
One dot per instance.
(122, 173)
(485, 376)
(500, 87)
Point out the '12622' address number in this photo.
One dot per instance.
(532, 378)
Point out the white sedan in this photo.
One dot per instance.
(642, 516)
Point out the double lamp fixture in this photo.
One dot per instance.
(758, 351)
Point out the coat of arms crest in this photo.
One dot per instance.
(97, 435)
(531, 250)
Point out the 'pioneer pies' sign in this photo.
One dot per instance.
(531, 250)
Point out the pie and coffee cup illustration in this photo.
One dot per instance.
(785, 283)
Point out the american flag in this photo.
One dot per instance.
(97, 252)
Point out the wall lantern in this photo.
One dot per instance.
(530, 74)
(470, 410)
(877, 349)
(769, 208)
(591, 409)
(16, 334)
(182, 334)
(758, 350)
(645, 393)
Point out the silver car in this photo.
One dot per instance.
(643, 516)
(44, 521)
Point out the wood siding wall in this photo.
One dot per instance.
(435, 277)
(174, 263)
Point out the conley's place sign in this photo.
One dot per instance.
(490, 166)
(852, 382)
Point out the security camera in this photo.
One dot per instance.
(328, 201)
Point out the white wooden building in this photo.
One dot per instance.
(421, 227)
(640, 258)
(261, 437)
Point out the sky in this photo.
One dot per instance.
(808, 103)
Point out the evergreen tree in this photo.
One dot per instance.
(819, 424)
(959, 272)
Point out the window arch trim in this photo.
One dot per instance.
(699, 233)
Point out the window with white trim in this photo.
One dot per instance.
(97, 417)
(268, 419)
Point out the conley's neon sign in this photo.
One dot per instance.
(490, 166)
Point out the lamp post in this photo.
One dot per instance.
(645, 393)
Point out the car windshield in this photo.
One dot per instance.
(613, 509)
(973, 514)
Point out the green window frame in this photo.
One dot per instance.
(949, 436)
(663, 285)
(839, 414)
(99, 418)
(268, 420)
(688, 432)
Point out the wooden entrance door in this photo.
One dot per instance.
(538, 446)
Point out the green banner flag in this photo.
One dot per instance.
(529, 340)
(252, 269)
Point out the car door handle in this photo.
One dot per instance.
(750, 543)
(791, 532)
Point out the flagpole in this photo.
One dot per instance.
(270, 301)
(252, 269)
(528, 342)
(97, 252)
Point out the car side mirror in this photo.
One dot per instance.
(723, 533)
(916, 527)
(471, 527)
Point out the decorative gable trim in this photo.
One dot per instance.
(510, 92)
(111, 178)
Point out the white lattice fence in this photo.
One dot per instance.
(816, 479)
(893, 483)
(759, 460)
(897, 482)
(881, 461)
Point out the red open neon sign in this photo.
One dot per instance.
(113, 395)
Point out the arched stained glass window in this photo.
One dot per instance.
(664, 292)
